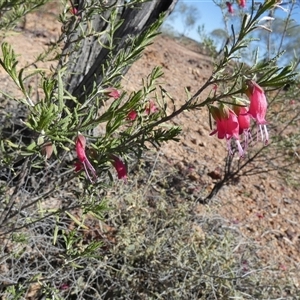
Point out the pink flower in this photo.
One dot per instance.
(230, 7)
(78, 166)
(283, 267)
(260, 215)
(227, 126)
(113, 92)
(258, 106)
(132, 115)
(215, 88)
(74, 11)
(151, 108)
(242, 3)
(243, 119)
(244, 122)
(64, 287)
(83, 162)
(120, 167)
(245, 266)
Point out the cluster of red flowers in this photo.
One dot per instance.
(112, 92)
(84, 164)
(241, 3)
(231, 123)
(150, 108)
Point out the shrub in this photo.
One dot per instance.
(64, 235)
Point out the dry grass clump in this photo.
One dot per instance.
(139, 241)
(168, 251)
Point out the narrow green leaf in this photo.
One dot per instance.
(60, 92)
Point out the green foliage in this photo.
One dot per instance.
(206, 41)
(13, 11)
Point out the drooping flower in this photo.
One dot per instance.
(132, 115)
(74, 11)
(83, 163)
(242, 3)
(227, 126)
(258, 107)
(215, 88)
(230, 7)
(292, 102)
(119, 166)
(113, 92)
(151, 108)
(64, 286)
(244, 121)
(78, 166)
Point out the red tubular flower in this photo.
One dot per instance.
(230, 7)
(74, 11)
(120, 167)
(258, 107)
(227, 126)
(78, 166)
(242, 3)
(151, 108)
(132, 115)
(243, 119)
(64, 287)
(113, 92)
(83, 162)
(244, 122)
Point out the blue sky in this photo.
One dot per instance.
(211, 16)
